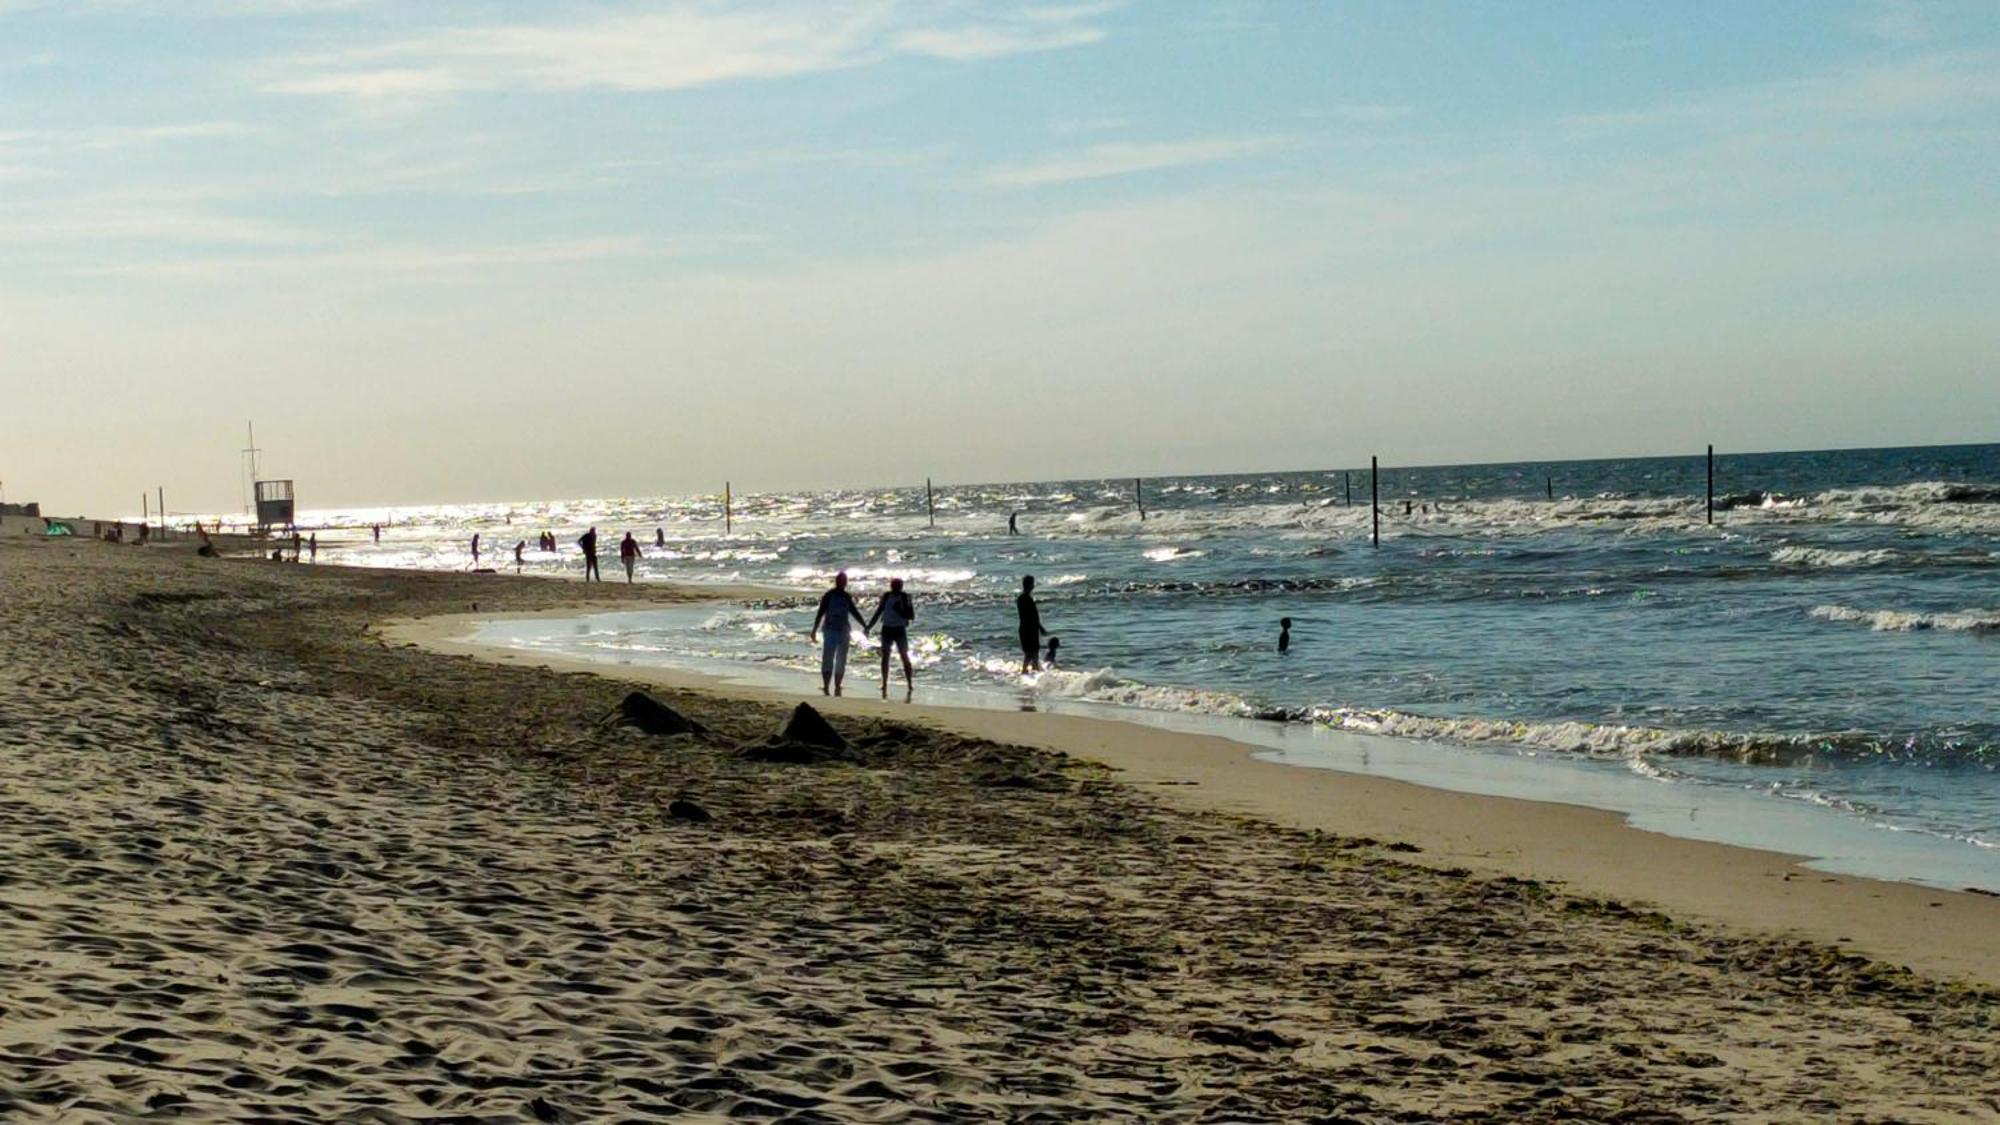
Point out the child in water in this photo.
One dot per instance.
(1284, 635)
(1054, 644)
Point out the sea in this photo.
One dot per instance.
(1813, 665)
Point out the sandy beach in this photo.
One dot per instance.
(261, 858)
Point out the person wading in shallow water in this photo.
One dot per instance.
(895, 612)
(1031, 627)
(588, 541)
(1284, 634)
(628, 553)
(836, 608)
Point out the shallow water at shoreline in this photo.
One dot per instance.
(1745, 815)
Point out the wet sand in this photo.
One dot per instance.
(257, 861)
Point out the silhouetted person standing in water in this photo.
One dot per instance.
(895, 612)
(628, 553)
(659, 537)
(518, 548)
(1049, 658)
(1013, 528)
(312, 546)
(1031, 627)
(377, 529)
(1284, 635)
(836, 608)
(588, 541)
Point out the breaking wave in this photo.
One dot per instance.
(1907, 621)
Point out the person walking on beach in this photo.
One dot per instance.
(1031, 627)
(475, 550)
(518, 548)
(1284, 635)
(628, 553)
(836, 608)
(1013, 527)
(377, 529)
(312, 547)
(895, 612)
(588, 541)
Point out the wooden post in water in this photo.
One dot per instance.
(1375, 499)
(1550, 483)
(163, 510)
(1711, 484)
(145, 509)
(1139, 494)
(1347, 482)
(728, 517)
(930, 505)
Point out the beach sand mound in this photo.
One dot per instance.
(256, 865)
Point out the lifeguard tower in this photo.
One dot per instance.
(274, 505)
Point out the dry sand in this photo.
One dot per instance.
(255, 863)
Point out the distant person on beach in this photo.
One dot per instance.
(1049, 658)
(1284, 635)
(1406, 507)
(377, 529)
(836, 608)
(659, 537)
(628, 553)
(588, 541)
(518, 548)
(1031, 627)
(895, 612)
(312, 546)
(475, 549)
(1013, 526)
(297, 542)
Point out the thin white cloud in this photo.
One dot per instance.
(1123, 159)
(399, 263)
(678, 46)
(88, 220)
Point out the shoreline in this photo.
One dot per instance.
(1587, 850)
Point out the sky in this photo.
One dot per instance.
(465, 250)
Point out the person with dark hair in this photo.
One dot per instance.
(836, 608)
(475, 550)
(628, 553)
(659, 537)
(1284, 635)
(1049, 659)
(518, 548)
(588, 541)
(895, 612)
(1031, 627)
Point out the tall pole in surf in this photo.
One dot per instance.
(1711, 484)
(930, 505)
(1375, 499)
(1139, 494)
(728, 516)
(1347, 482)
(145, 509)
(163, 510)
(1550, 484)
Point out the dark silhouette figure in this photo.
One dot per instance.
(1284, 635)
(1031, 627)
(659, 537)
(518, 548)
(836, 608)
(588, 541)
(1406, 507)
(895, 612)
(377, 529)
(312, 546)
(475, 549)
(628, 553)
(1013, 528)
(1049, 658)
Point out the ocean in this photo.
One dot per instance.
(1832, 640)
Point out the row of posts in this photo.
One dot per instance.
(1139, 497)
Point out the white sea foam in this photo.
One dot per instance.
(1825, 556)
(1905, 621)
